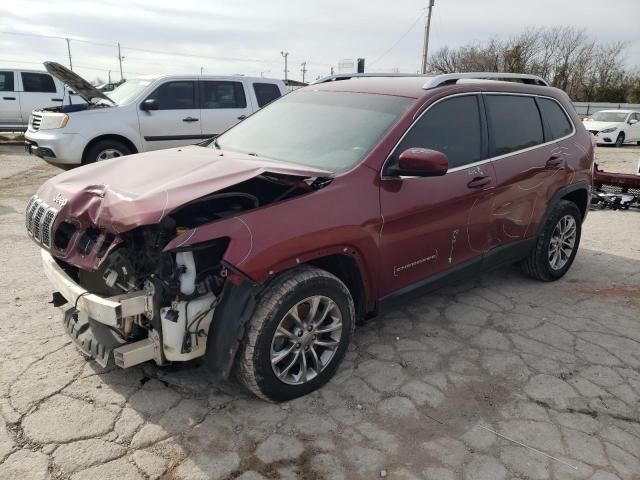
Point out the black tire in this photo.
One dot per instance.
(94, 151)
(253, 363)
(538, 265)
(620, 140)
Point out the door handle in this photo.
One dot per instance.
(56, 99)
(554, 161)
(478, 182)
(8, 98)
(242, 117)
(189, 119)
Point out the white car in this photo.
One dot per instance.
(143, 114)
(614, 127)
(21, 91)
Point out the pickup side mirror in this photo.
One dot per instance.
(422, 162)
(149, 104)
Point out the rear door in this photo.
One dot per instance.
(223, 103)
(529, 160)
(9, 101)
(437, 223)
(38, 91)
(176, 122)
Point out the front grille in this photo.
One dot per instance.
(39, 219)
(595, 132)
(35, 121)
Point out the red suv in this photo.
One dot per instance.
(258, 250)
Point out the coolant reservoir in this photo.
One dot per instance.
(187, 323)
(185, 262)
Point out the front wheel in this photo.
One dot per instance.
(557, 245)
(620, 140)
(105, 150)
(297, 336)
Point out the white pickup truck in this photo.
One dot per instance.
(21, 91)
(142, 114)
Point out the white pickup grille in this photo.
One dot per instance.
(39, 219)
(35, 121)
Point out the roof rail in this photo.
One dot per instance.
(451, 78)
(347, 76)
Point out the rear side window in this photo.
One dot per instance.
(266, 92)
(554, 117)
(175, 96)
(6, 81)
(214, 94)
(451, 127)
(514, 121)
(37, 82)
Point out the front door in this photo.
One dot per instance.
(222, 105)
(9, 101)
(176, 122)
(438, 223)
(634, 127)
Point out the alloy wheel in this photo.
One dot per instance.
(108, 154)
(562, 242)
(306, 340)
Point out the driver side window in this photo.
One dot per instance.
(452, 127)
(175, 96)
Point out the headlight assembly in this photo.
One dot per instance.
(53, 120)
(609, 130)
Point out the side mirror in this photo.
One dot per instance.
(422, 162)
(149, 104)
(633, 121)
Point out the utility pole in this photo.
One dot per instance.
(425, 49)
(331, 70)
(303, 70)
(285, 55)
(263, 72)
(69, 52)
(201, 68)
(120, 58)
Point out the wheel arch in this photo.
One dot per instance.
(577, 192)
(109, 136)
(580, 197)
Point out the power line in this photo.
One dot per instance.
(399, 40)
(154, 51)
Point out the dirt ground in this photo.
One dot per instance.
(499, 377)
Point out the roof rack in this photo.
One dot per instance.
(451, 78)
(347, 76)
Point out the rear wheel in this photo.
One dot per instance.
(557, 245)
(297, 336)
(620, 140)
(106, 150)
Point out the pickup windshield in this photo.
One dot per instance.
(328, 130)
(128, 91)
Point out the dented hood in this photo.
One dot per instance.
(127, 192)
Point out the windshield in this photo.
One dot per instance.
(608, 116)
(128, 90)
(326, 130)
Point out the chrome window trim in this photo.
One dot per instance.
(490, 159)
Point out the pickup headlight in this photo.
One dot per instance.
(609, 130)
(53, 120)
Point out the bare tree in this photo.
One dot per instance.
(566, 56)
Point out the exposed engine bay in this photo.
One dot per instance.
(181, 287)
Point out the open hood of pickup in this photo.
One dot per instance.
(127, 192)
(74, 81)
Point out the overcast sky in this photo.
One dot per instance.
(318, 32)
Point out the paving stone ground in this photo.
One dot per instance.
(461, 384)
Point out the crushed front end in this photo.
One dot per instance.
(124, 300)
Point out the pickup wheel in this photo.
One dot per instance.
(298, 334)
(105, 150)
(557, 245)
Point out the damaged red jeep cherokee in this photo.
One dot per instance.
(259, 250)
